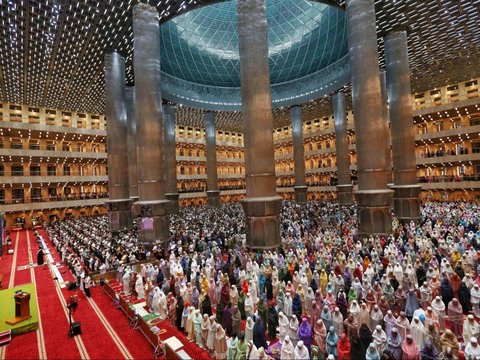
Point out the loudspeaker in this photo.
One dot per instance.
(76, 328)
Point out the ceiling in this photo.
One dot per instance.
(51, 51)
(201, 46)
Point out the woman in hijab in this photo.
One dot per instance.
(297, 305)
(232, 348)
(259, 334)
(227, 319)
(394, 344)
(287, 349)
(179, 312)
(272, 321)
(446, 291)
(357, 350)
(410, 350)
(365, 335)
(326, 317)
(464, 298)
(411, 304)
(249, 329)
(206, 305)
(242, 347)
(221, 344)
(372, 353)
(305, 332)
(332, 340)
(212, 329)
(219, 312)
(197, 323)
(236, 320)
(343, 347)
(320, 335)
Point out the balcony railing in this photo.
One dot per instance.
(448, 178)
(52, 198)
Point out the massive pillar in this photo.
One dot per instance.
(132, 144)
(298, 155)
(406, 201)
(386, 116)
(373, 196)
(213, 195)
(344, 187)
(119, 204)
(171, 192)
(262, 205)
(152, 206)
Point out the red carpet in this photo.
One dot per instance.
(24, 346)
(6, 262)
(134, 340)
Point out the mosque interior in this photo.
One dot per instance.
(132, 113)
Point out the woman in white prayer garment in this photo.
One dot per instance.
(417, 330)
(140, 290)
(301, 352)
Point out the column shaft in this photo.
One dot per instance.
(388, 137)
(213, 195)
(344, 187)
(132, 144)
(406, 201)
(119, 204)
(171, 192)
(152, 206)
(298, 155)
(262, 205)
(373, 196)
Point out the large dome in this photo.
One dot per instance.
(200, 60)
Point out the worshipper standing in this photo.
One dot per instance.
(417, 332)
(337, 319)
(301, 352)
(259, 334)
(212, 328)
(449, 340)
(475, 299)
(236, 320)
(227, 319)
(410, 350)
(287, 349)
(220, 344)
(357, 350)
(87, 284)
(206, 305)
(372, 353)
(249, 324)
(179, 312)
(433, 337)
(40, 260)
(332, 340)
(380, 339)
(472, 349)
(470, 329)
(365, 335)
(272, 321)
(429, 352)
(232, 347)
(242, 347)
(283, 326)
(139, 289)
(293, 333)
(320, 335)
(190, 326)
(455, 316)
(197, 324)
(343, 347)
(305, 332)
(394, 344)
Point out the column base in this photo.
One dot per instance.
(406, 203)
(300, 194)
(213, 198)
(152, 224)
(263, 222)
(345, 194)
(119, 214)
(374, 211)
(174, 206)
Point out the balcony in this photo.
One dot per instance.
(440, 159)
(19, 179)
(53, 202)
(35, 154)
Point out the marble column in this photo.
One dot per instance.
(406, 198)
(344, 187)
(171, 192)
(300, 187)
(261, 205)
(152, 206)
(213, 194)
(388, 138)
(373, 196)
(119, 203)
(132, 144)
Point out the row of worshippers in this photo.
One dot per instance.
(323, 262)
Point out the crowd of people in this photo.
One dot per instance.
(325, 294)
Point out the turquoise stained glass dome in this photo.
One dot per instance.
(200, 60)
